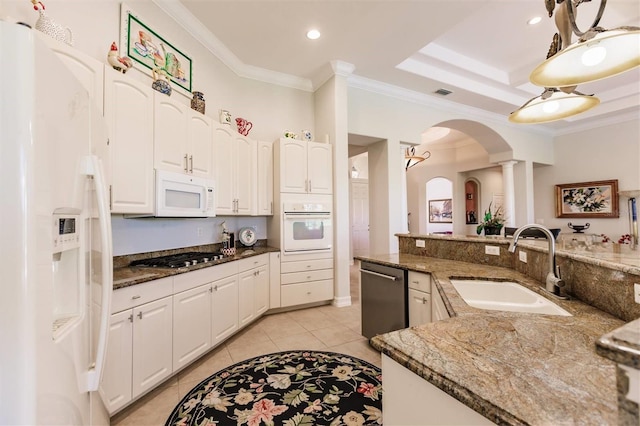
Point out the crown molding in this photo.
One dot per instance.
(193, 26)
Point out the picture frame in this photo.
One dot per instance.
(440, 211)
(597, 199)
(149, 50)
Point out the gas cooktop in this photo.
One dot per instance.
(178, 260)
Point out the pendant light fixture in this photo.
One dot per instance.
(598, 53)
(412, 158)
(553, 104)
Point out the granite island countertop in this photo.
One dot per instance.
(513, 368)
(126, 276)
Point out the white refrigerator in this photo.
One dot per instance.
(55, 235)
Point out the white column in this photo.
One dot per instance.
(508, 186)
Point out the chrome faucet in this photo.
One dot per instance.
(553, 281)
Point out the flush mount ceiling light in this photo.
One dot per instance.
(412, 158)
(313, 34)
(552, 105)
(534, 21)
(598, 53)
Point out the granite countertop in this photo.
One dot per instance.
(513, 368)
(620, 257)
(126, 276)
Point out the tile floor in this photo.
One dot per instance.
(324, 328)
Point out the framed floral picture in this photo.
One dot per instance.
(588, 199)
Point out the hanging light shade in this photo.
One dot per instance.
(412, 158)
(606, 53)
(551, 105)
(598, 53)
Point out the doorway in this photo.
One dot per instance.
(360, 216)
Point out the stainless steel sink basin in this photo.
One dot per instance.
(505, 296)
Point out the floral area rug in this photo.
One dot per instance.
(292, 388)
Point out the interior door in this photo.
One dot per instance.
(360, 216)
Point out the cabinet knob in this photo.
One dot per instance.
(424, 301)
(215, 288)
(308, 277)
(308, 292)
(140, 314)
(416, 282)
(135, 297)
(131, 318)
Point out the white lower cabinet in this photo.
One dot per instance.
(419, 298)
(116, 379)
(253, 290)
(224, 314)
(191, 325)
(152, 344)
(404, 391)
(159, 327)
(438, 308)
(306, 279)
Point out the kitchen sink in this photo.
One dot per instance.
(505, 296)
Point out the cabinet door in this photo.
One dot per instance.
(246, 309)
(438, 308)
(152, 344)
(128, 111)
(225, 308)
(265, 179)
(245, 175)
(419, 307)
(191, 325)
(293, 166)
(320, 168)
(200, 144)
(261, 291)
(116, 379)
(170, 134)
(223, 155)
(87, 70)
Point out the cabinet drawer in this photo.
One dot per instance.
(420, 281)
(301, 277)
(252, 262)
(129, 297)
(193, 279)
(306, 265)
(299, 294)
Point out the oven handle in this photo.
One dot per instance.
(289, 216)
(318, 250)
(377, 274)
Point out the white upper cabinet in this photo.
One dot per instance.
(265, 178)
(304, 167)
(320, 168)
(235, 158)
(183, 138)
(86, 69)
(128, 112)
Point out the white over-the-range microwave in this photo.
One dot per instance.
(181, 195)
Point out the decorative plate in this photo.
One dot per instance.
(247, 236)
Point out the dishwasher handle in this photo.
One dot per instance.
(377, 274)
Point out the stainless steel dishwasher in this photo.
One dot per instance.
(383, 299)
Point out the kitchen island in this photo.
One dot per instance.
(512, 368)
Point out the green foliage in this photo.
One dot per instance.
(493, 219)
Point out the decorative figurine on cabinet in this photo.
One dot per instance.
(119, 63)
(161, 81)
(50, 27)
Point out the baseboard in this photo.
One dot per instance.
(340, 302)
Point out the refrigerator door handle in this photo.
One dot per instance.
(94, 168)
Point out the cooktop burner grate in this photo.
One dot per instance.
(178, 260)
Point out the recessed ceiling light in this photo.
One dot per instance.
(534, 20)
(313, 34)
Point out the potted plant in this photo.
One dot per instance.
(492, 222)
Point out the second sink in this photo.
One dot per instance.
(505, 296)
